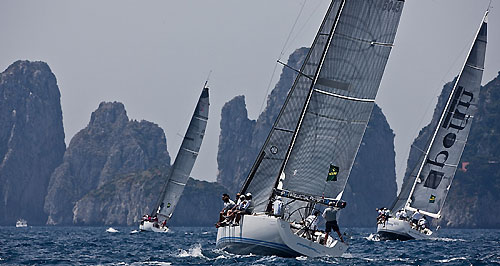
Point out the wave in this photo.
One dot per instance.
(445, 239)
(450, 260)
(112, 230)
(192, 252)
(373, 237)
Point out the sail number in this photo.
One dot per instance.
(391, 5)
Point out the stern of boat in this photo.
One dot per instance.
(147, 226)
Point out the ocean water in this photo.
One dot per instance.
(196, 246)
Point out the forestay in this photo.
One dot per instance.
(330, 102)
(443, 155)
(185, 159)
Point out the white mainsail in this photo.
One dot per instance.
(326, 112)
(185, 159)
(439, 163)
(317, 132)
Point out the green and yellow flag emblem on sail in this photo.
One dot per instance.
(332, 174)
(432, 199)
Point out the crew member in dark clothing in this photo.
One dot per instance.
(330, 215)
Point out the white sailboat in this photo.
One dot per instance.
(180, 170)
(310, 150)
(21, 223)
(438, 164)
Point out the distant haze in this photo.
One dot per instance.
(154, 56)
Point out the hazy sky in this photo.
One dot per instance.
(154, 56)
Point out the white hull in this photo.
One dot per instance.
(149, 226)
(396, 229)
(21, 224)
(267, 235)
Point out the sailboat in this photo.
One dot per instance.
(180, 170)
(309, 152)
(428, 185)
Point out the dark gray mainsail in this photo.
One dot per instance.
(443, 154)
(185, 159)
(326, 111)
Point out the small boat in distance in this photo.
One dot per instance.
(21, 223)
(180, 170)
(424, 192)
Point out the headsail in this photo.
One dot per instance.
(443, 154)
(185, 159)
(327, 109)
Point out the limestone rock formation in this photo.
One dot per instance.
(31, 139)
(109, 146)
(126, 198)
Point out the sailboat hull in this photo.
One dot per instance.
(396, 229)
(266, 235)
(147, 226)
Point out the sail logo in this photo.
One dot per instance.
(332, 173)
(432, 199)
(456, 119)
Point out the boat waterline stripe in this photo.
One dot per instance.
(345, 97)
(254, 241)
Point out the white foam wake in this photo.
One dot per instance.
(112, 230)
(450, 260)
(373, 237)
(192, 252)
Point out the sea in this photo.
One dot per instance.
(46, 245)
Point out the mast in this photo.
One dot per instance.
(300, 73)
(445, 117)
(327, 109)
(315, 79)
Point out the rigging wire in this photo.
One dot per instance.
(281, 54)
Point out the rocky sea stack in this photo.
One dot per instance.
(111, 145)
(31, 139)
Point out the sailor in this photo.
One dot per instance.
(237, 199)
(278, 207)
(416, 216)
(250, 205)
(380, 215)
(330, 215)
(422, 223)
(237, 207)
(312, 220)
(228, 205)
(402, 214)
(398, 214)
(387, 213)
(247, 208)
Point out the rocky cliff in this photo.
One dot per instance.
(110, 145)
(124, 200)
(31, 139)
(474, 197)
(372, 183)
